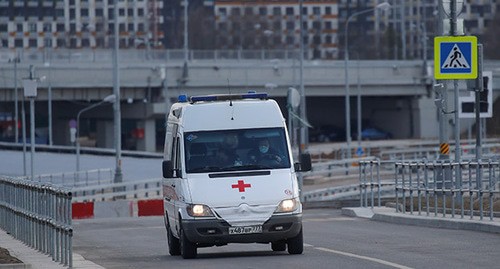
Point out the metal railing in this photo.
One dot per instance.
(148, 188)
(77, 179)
(374, 184)
(38, 214)
(447, 188)
(140, 55)
(334, 169)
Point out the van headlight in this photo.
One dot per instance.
(288, 205)
(198, 210)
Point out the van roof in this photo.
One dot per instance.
(224, 112)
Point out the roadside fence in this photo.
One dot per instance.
(39, 214)
(448, 188)
(147, 188)
(77, 179)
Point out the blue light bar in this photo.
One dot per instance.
(227, 97)
(182, 98)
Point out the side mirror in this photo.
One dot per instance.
(305, 163)
(168, 170)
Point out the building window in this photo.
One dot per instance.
(18, 43)
(328, 25)
(121, 12)
(304, 10)
(3, 28)
(277, 25)
(328, 39)
(223, 11)
(235, 12)
(290, 25)
(111, 13)
(47, 27)
(317, 39)
(262, 11)
(32, 27)
(99, 12)
(59, 12)
(84, 12)
(316, 11)
(47, 42)
(317, 25)
(328, 10)
(19, 27)
(248, 11)
(122, 27)
(72, 14)
(289, 11)
(289, 40)
(60, 27)
(61, 43)
(131, 27)
(85, 42)
(276, 11)
(32, 43)
(130, 12)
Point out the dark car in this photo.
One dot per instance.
(326, 133)
(373, 133)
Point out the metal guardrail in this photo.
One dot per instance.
(335, 168)
(77, 179)
(131, 189)
(39, 215)
(439, 187)
(447, 188)
(141, 55)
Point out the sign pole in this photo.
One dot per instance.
(477, 104)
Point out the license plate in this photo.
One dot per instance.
(246, 229)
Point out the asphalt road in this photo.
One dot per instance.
(331, 241)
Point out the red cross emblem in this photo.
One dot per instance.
(241, 186)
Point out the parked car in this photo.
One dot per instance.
(326, 133)
(373, 133)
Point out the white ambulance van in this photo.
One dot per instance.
(229, 175)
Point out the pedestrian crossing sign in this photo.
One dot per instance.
(455, 57)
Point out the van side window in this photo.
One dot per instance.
(176, 157)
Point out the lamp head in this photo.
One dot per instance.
(110, 98)
(383, 6)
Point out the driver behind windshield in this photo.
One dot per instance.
(264, 154)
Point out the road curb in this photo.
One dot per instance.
(385, 214)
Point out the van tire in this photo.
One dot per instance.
(174, 247)
(278, 246)
(296, 244)
(188, 249)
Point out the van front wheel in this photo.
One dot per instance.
(174, 248)
(296, 244)
(188, 249)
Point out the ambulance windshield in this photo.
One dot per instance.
(236, 150)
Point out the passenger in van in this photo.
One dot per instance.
(227, 155)
(264, 154)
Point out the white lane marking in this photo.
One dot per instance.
(327, 219)
(395, 265)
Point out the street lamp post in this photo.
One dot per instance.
(383, 6)
(116, 108)
(107, 99)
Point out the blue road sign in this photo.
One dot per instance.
(455, 57)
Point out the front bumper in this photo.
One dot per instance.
(216, 232)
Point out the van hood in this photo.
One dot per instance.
(246, 197)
